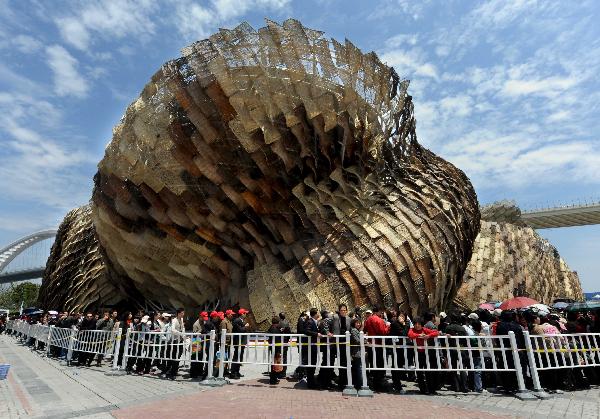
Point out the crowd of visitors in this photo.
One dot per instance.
(316, 328)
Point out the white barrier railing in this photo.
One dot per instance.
(444, 354)
(569, 350)
(161, 346)
(99, 342)
(93, 342)
(272, 344)
(60, 337)
(22, 328)
(40, 333)
(447, 353)
(375, 353)
(554, 352)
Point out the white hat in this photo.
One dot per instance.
(473, 316)
(52, 312)
(443, 315)
(497, 312)
(166, 314)
(145, 319)
(368, 312)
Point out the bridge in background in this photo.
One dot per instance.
(566, 216)
(25, 258)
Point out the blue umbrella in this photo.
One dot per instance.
(584, 306)
(560, 305)
(30, 310)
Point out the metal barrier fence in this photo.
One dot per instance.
(92, 342)
(555, 352)
(98, 342)
(21, 329)
(40, 333)
(459, 354)
(373, 354)
(60, 337)
(232, 350)
(161, 346)
(278, 351)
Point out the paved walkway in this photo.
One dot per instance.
(40, 387)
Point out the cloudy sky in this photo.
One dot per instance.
(508, 91)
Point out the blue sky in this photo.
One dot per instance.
(508, 91)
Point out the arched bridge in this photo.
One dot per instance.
(26, 257)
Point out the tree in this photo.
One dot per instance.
(25, 292)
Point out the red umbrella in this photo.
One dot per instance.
(517, 302)
(487, 306)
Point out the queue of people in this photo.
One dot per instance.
(317, 329)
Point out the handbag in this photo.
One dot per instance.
(277, 361)
(196, 345)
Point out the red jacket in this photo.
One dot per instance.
(420, 341)
(375, 326)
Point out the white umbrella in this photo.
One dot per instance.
(540, 307)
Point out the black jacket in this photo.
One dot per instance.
(398, 329)
(300, 325)
(239, 326)
(208, 326)
(311, 329)
(504, 327)
(275, 340)
(456, 329)
(87, 324)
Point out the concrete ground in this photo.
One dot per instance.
(41, 387)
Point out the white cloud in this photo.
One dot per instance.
(74, 32)
(559, 116)
(26, 44)
(499, 13)
(229, 9)
(109, 19)
(15, 81)
(456, 106)
(36, 167)
(402, 39)
(195, 21)
(483, 25)
(67, 80)
(442, 50)
(409, 8)
(410, 63)
(551, 86)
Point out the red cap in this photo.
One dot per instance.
(221, 315)
(205, 318)
(243, 311)
(204, 314)
(214, 314)
(228, 312)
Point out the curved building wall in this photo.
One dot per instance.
(280, 170)
(510, 260)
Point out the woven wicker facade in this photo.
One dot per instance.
(281, 170)
(510, 260)
(77, 273)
